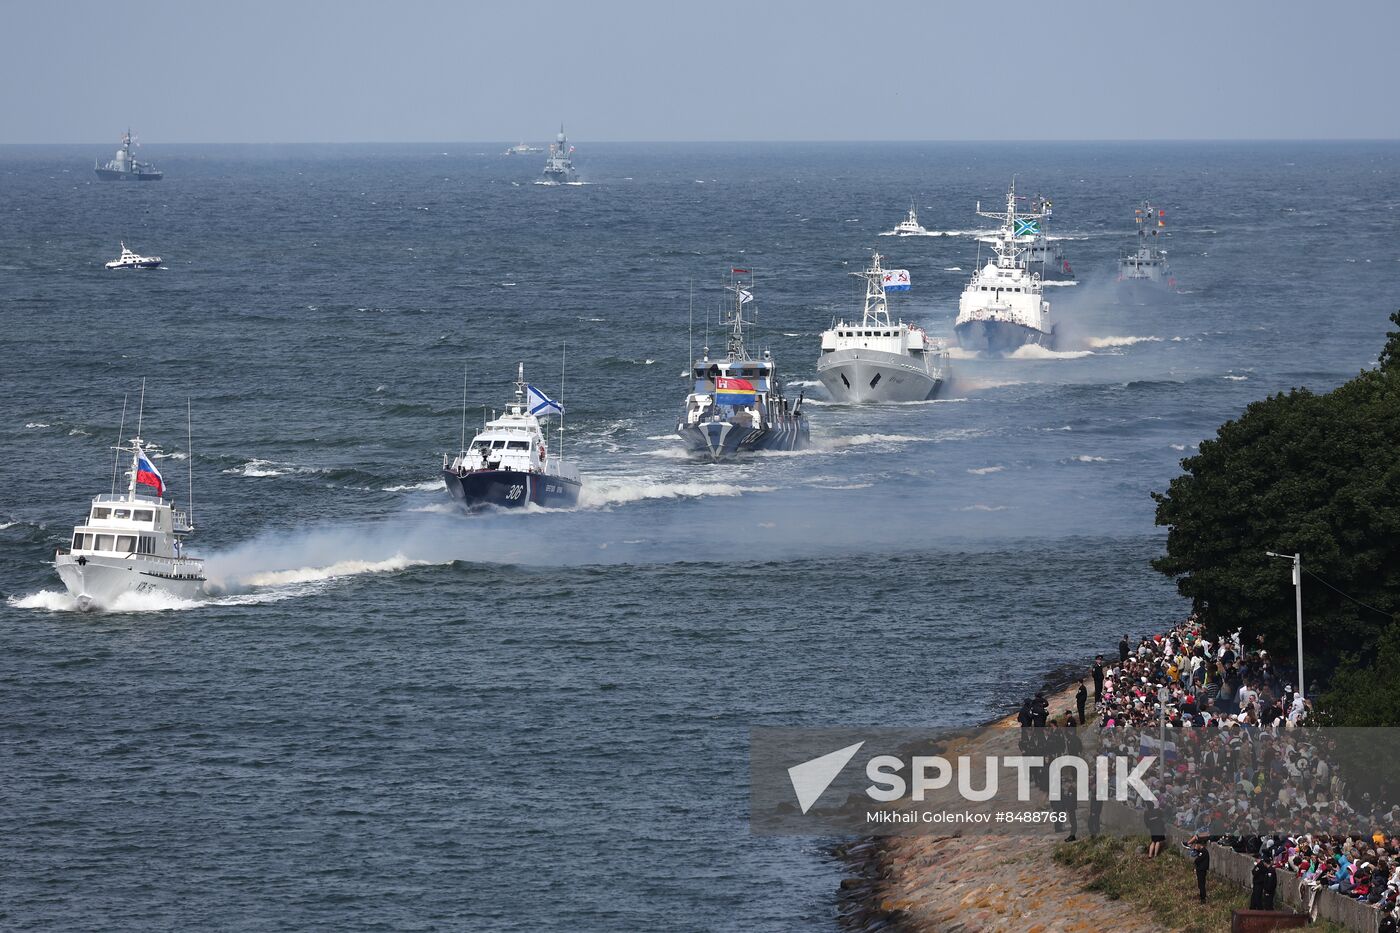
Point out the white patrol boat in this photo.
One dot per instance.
(877, 360)
(508, 463)
(1143, 271)
(131, 542)
(130, 260)
(1003, 307)
(559, 164)
(909, 226)
(736, 402)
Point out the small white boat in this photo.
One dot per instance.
(909, 226)
(131, 542)
(130, 260)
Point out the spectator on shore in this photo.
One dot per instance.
(1156, 823)
(1098, 673)
(1200, 860)
(1081, 699)
(1123, 650)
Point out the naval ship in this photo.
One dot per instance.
(508, 463)
(559, 165)
(878, 360)
(1003, 307)
(1143, 272)
(131, 542)
(1042, 256)
(125, 167)
(736, 402)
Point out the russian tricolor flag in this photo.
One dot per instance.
(148, 475)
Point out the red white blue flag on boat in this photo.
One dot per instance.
(148, 475)
(896, 280)
(731, 390)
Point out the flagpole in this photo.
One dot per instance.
(189, 457)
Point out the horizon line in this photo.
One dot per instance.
(692, 142)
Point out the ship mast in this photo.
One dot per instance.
(1006, 243)
(742, 296)
(877, 312)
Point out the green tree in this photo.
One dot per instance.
(1298, 471)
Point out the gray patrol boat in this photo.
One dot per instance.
(1143, 272)
(878, 360)
(125, 167)
(559, 166)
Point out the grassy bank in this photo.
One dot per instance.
(1164, 889)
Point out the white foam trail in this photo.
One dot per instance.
(983, 471)
(1099, 343)
(597, 494)
(4, 525)
(429, 486)
(1088, 458)
(344, 568)
(1037, 352)
(1237, 378)
(54, 601)
(35, 424)
(979, 507)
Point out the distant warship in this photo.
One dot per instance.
(125, 167)
(1043, 256)
(736, 401)
(559, 166)
(1143, 272)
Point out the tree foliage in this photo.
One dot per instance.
(1298, 471)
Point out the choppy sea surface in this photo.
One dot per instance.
(396, 716)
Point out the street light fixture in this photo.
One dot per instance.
(1297, 560)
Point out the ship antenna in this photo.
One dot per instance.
(464, 408)
(189, 459)
(563, 357)
(116, 457)
(690, 359)
(141, 412)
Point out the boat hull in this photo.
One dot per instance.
(873, 376)
(1145, 291)
(96, 581)
(1000, 336)
(107, 174)
(723, 440)
(511, 489)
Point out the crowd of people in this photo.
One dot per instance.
(1242, 768)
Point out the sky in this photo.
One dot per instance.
(428, 71)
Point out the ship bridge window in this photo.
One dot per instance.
(144, 515)
(498, 445)
(126, 544)
(101, 513)
(79, 541)
(146, 544)
(101, 542)
(121, 513)
(519, 445)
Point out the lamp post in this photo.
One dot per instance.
(1297, 560)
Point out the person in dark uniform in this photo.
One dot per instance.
(1263, 884)
(1024, 716)
(1040, 710)
(1123, 650)
(1098, 672)
(1200, 860)
(1156, 822)
(1081, 699)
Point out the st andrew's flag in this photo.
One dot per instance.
(541, 404)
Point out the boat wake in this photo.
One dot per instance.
(1037, 352)
(1103, 343)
